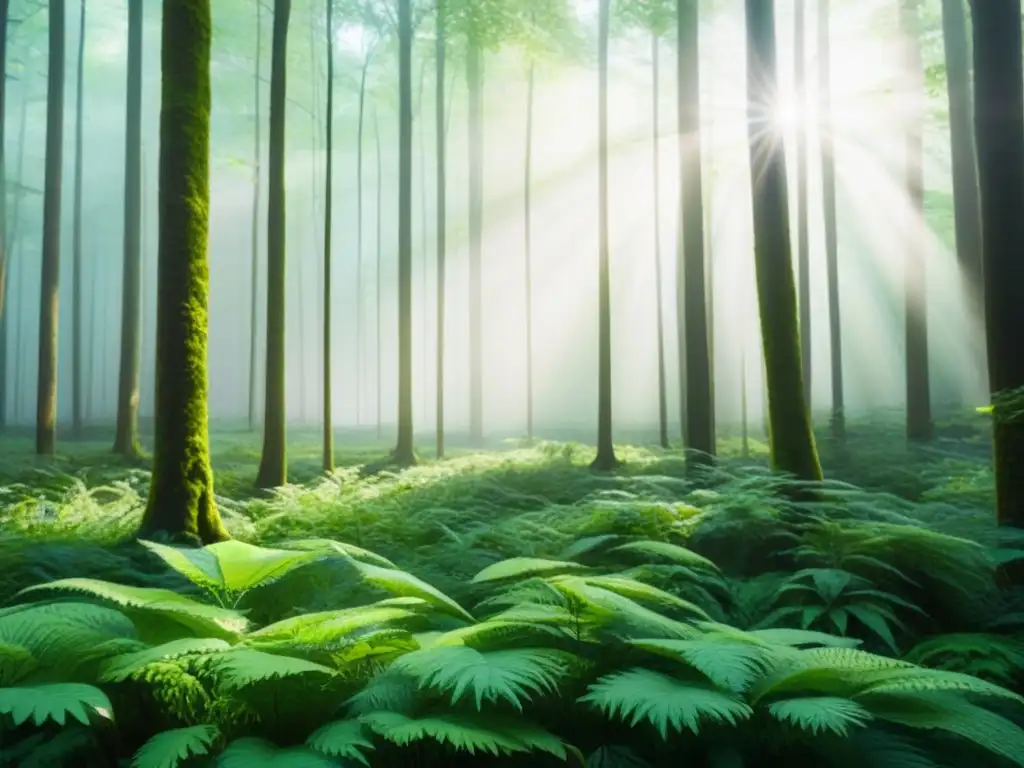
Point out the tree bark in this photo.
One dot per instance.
(254, 280)
(404, 454)
(474, 83)
(791, 438)
(328, 446)
(999, 131)
(377, 275)
(919, 410)
(126, 440)
(440, 126)
(46, 386)
(76, 239)
(528, 246)
(700, 425)
(803, 252)
(181, 502)
(4, 265)
(359, 239)
(273, 470)
(658, 288)
(606, 458)
(837, 423)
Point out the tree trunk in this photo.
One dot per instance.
(328, 447)
(605, 459)
(425, 319)
(966, 215)
(76, 240)
(273, 469)
(404, 454)
(254, 280)
(359, 239)
(11, 244)
(440, 126)
(700, 424)
(474, 84)
(126, 441)
(655, 119)
(837, 423)
(380, 263)
(46, 385)
(181, 502)
(528, 247)
(803, 251)
(919, 411)
(999, 130)
(791, 437)
(4, 250)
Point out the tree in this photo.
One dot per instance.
(76, 239)
(837, 422)
(440, 21)
(999, 133)
(181, 502)
(254, 275)
(605, 459)
(46, 392)
(791, 438)
(404, 454)
(919, 412)
(5, 8)
(698, 402)
(126, 441)
(803, 253)
(273, 470)
(328, 427)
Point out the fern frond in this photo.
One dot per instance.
(666, 551)
(518, 567)
(54, 701)
(124, 666)
(241, 667)
(732, 666)
(342, 738)
(251, 752)
(405, 584)
(170, 749)
(388, 691)
(819, 714)
(510, 675)
(343, 548)
(638, 695)
(324, 628)
(802, 637)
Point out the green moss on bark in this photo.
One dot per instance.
(181, 503)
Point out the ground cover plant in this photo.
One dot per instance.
(512, 607)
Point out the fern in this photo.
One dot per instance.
(342, 738)
(243, 667)
(252, 752)
(518, 567)
(126, 665)
(56, 702)
(818, 714)
(170, 749)
(405, 584)
(732, 666)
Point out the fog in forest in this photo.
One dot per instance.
(875, 220)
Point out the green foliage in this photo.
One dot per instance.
(170, 749)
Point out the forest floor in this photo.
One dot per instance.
(896, 553)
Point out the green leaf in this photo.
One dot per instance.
(666, 551)
(124, 666)
(730, 665)
(170, 749)
(342, 738)
(343, 548)
(401, 583)
(819, 714)
(55, 701)
(252, 752)
(241, 667)
(517, 567)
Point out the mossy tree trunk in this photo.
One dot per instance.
(404, 454)
(181, 502)
(919, 409)
(46, 386)
(790, 436)
(273, 470)
(837, 422)
(475, 87)
(254, 280)
(439, 117)
(328, 442)
(658, 287)
(76, 238)
(606, 459)
(700, 418)
(126, 440)
(966, 216)
(999, 132)
(803, 249)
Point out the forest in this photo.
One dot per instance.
(602, 383)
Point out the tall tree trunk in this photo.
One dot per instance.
(126, 440)
(803, 251)
(655, 120)
(440, 129)
(403, 454)
(919, 411)
(328, 447)
(425, 319)
(474, 84)
(273, 469)
(791, 437)
(46, 385)
(380, 263)
(837, 423)
(11, 244)
(4, 250)
(605, 459)
(93, 336)
(700, 425)
(528, 245)
(76, 240)
(359, 239)
(181, 502)
(254, 280)
(999, 130)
